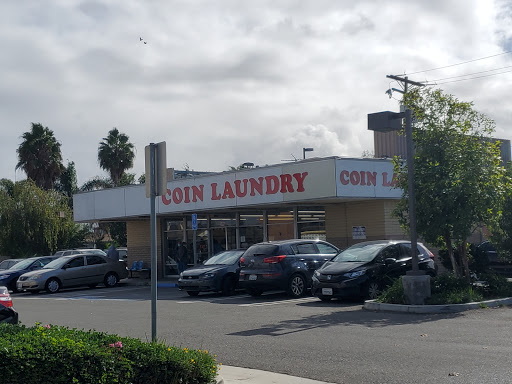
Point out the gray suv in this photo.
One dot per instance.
(285, 265)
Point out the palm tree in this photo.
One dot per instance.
(116, 154)
(40, 157)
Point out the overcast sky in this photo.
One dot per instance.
(228, 81)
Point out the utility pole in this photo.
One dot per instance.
(410, 173)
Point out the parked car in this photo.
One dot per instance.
(8, 263)
(9, 276)
(69, 252)
(494, 261)
(217, 274)
(285, 265)
(364, 269)
(7, 312)
(73, 271)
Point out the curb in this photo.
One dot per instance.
(372, 305)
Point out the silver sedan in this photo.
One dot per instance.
(74, 271)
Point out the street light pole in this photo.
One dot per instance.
(304, 150)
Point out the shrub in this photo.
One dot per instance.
(394, 294)
(53, 354)
(495, 286)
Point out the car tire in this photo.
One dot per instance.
(254, 292)
(373, 290)
(297, 286)
(228, 286)
(52, 285)
(110, 280)
(193, 293)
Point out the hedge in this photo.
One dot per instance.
(59, 355)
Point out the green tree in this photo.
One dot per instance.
(40, 157)
(458, 178)
(67, 182)
(501, 230)
(116, 154)
(34, 221)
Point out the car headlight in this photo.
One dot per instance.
(34, 277)
(209, 275)
(316, 274)
(351, 275)
(4, 277)
(181, 275)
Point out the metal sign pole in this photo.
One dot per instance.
(153, 242)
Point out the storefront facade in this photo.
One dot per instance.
(340, 200)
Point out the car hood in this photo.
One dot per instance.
(11, 272)
(335, 268)
(40, 272)
(199, 270)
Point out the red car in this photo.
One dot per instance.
(7, 312)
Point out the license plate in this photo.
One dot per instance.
(327, 291)
(253, 277)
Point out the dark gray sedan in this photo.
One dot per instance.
(217, 274)
(74, 271)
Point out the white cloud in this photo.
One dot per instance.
(228, 82)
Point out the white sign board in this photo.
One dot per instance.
(359, 233)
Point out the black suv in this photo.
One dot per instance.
(285, 265)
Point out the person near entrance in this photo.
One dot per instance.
(182, 257)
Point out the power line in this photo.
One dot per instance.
(471, 78)
(470, 74)
(464, 62)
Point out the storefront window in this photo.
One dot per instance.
(311, 222)
(280, 224)
(172, 237)
(251, 228)
(222, 232)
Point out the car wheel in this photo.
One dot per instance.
(228, 286)
(373, 290)
(110, 280)
(53, 285)
(254, 292)
(193, 293)
(297, 286)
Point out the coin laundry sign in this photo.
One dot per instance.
(356, 178)
(229, 190)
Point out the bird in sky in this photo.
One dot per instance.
(141, 39)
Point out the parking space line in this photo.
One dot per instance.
(291, 301)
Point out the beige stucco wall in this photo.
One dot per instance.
(139, 242)
(374, 215)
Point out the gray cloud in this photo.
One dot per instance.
(228, 82)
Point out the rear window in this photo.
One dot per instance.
(304, 249)
(262, 250)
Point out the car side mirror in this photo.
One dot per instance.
(390, 261)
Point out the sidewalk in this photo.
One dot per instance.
(233, 375)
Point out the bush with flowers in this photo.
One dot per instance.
(60, 355)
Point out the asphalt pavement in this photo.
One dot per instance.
(233, 374)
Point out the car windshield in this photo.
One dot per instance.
(23, 264)
(57, 263)
(224, 258)
(362, 252)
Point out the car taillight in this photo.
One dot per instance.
(242, 260)
(431, 255)
(5, 300)
(273, 259)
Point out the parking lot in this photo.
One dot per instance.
(335, 341)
